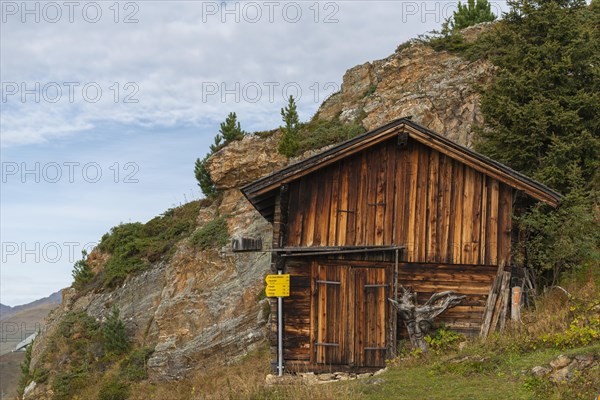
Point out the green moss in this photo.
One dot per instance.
(213, 234)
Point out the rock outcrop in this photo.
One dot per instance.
(438, 89)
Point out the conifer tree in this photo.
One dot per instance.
(114, 333)
(231, 129)
(82, 272)
(542, 114)
(471, 13)
(289, 143)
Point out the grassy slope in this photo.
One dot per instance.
(10, 373)
(500, 376)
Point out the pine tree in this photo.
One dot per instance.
(82, 272)
(288, 145)
(471, 13)
(114, 333)
(231, 129)
(542, 114)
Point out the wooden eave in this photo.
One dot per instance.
(261, 192)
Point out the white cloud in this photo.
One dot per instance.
(172, 54)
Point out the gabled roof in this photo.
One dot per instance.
(261, 193)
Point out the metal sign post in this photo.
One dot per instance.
(279, 333)
(279, 286)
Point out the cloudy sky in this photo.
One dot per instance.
(105, 105)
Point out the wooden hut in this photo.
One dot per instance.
(399, 205)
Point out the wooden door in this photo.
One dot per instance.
(349, 315)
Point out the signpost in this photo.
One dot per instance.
(279, 286)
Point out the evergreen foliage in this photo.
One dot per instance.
(133, 246)
(82, 272)
(212, 234)
(470, 14)
(203, 177)
(288, 146)
(25, 377)
(542, 116)
(230, 131)
(114, 333)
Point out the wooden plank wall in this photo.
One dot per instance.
(474, 281)
(439, 209)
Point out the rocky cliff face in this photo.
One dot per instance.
(204, 307)
(436, 88)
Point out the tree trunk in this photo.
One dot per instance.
(419, 319)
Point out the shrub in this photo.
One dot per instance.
(114, 389)
(134, 246)
(66, 384)
(25, 377)
(443, 339)
(211, 235)
(78, 324)
(82, 272)
(114, 333)
(320, 133)
(133, 368)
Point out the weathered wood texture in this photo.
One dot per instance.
(441, 210)
(337, 312)
(473, 281)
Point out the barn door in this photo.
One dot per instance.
(349, 315)
(371, 311)
(331, 311)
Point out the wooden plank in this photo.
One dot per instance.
(353, 184)
(504, 225)
(371, 196)
(431, 221)
(323, 209)
(295, 221)
(499, 301)
(351, 332)
(491, 302)
(455, 247)
(335, 186)
(308, 227)
(443, 208)
(411, 204)
(475, 238)
(361, 203)
(467, 216)
(359, 324)
(342, 217)
(421, 209)
(390, 189)
(505, 306)
(483, 220)
(492, 224)
(380, 204)
(400, 175)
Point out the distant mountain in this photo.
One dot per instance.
(7, 311)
